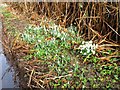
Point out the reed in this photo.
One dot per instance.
(94, 20)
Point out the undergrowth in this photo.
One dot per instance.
(56, 57)
(71, 62)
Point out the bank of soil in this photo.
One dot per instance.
(12, 24)
(7, 77)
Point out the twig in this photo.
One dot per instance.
(108, 45)
(30, 77)
(59, 77)
(93, 31)
(111, 28)
(35, 80)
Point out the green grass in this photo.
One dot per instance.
(6, 13)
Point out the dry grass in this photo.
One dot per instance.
(95, 21)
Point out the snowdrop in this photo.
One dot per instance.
(87, 47)
(29, 27)
(39, 41)
(58, 34)
(36, 28)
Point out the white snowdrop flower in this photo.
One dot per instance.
(90, 45)
(84, 46)
(54, 32)
(85, 54)
(51, 32)
(73, 64)
(62, 56)
(62, 32)
(55, 27)
(73, 32)
(81, 51)
(68, 82)
(96, 46)
(52, 26)
(77, 62)
(29, 27)
(58, 62)
(93, 52)
(33, 36)
(46, 32)
(80, 46)
(66, 35)
(88, 50)
(35, 28)
(39, 40)
(53, 38)
(90, 42)
(62, 38)
(83, 42)
(87, 46)
(58, 35)
(44, 27)
(93, 46)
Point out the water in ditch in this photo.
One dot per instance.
(7, 75)
(6, 71)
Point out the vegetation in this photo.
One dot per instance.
(55, 56)
(64, 64)
(99, 20)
